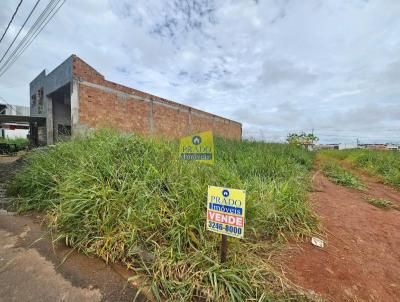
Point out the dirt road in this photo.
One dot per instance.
(32, 270)
(361, 260)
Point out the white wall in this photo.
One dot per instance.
(16, 133)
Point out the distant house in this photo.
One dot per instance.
(372, 146)
(327, 147)
(393, 147)
(308, 146)
(12, 129)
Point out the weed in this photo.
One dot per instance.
(379, 202)
(382, 163)
(128, 198)
(341, 176)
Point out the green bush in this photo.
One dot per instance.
(127, 198)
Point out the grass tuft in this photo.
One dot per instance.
(340, 176)
(128, 198)
(382, 163)
(379, 202)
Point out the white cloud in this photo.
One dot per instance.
(275, 65)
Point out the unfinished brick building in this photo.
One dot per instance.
(75, 97)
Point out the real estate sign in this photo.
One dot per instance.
(225, 211)
(199, 147)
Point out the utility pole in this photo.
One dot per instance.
(357, 142)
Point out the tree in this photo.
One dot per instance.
(302, 138)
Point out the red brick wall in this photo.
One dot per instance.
(98, 109)
(107, 104)
(170, 122)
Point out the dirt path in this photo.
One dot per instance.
(374, 186)
(33, 269)
(361, 259)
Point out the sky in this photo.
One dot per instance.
(276, 66)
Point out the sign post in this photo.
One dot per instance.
(225, 214)
(224, 248)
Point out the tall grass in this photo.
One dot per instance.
(127, 198)
(382, 163)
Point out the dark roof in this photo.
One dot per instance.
(5, 118)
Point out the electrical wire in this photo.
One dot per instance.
(23, 25)
(12, 18)
(34, 31)
(12, 107)
(27, 36)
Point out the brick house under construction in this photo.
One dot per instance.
(75, 97)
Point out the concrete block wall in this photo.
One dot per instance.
(106, 104)
(48, 83)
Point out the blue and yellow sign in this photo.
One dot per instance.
(225, 211)
(199, 147)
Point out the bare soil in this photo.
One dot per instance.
(361, 258)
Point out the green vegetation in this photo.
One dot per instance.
(127, 198)
(21, 143)
(339, 175)
(382, 163)
(379, 202)
(301, 138)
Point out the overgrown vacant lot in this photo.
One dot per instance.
(127, 198)
(385, 164)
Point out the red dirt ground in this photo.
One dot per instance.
(361, 258)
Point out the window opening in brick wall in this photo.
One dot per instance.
(64, 130)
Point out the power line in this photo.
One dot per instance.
(12, 18)
(41, 22)
(12, 107)
(27, 36)
(23, 25)
(35, 30)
